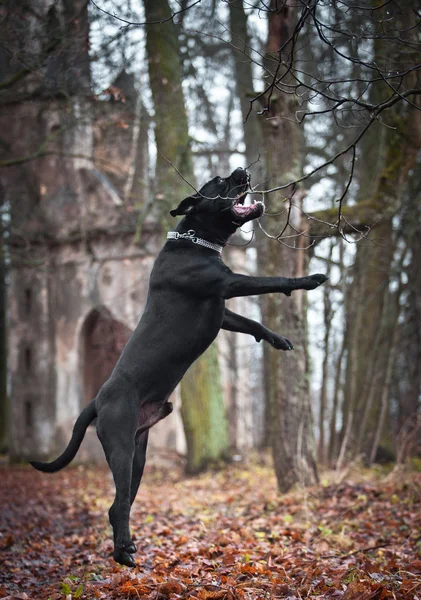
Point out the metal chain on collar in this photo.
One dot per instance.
(191, 236)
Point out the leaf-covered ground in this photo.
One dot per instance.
(226, 535)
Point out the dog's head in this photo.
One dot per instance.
(220, 203)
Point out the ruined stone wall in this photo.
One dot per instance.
(48, 388)
(31, 369)
(76, 248)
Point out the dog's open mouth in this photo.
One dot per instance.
(254, 210)
(241, 177)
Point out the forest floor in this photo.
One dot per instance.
(226, 535)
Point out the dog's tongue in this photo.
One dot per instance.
(243, 210)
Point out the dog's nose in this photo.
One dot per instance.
(240, 175)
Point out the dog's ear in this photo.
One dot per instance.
(186, 206)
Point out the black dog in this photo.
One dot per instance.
(185, 310)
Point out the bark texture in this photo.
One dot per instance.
(286, 374)
(171, 126)
(3, 346)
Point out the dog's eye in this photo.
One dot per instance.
(220, 180)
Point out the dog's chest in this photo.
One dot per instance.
(209, 314)
(199, 322)
(184, 298)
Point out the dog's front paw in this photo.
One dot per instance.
(122, 556)
(279, 342)
(313, 281)
(319, 278)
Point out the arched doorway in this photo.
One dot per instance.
(102, 340)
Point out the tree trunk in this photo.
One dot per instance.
(389, 155)
(203, 411)
(333, 436)
(3, 346)
(372, 279)
(171, 127)
(287, 382)
(408, 386)
(327, 305)
(385, 394)
(244, 87)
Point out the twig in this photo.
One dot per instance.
(137, 24)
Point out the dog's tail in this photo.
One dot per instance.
(86, 417)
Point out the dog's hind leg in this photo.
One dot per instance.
(139, 460)
(139, 457)
(138, 466)
(117, 436)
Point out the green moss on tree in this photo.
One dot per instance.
(203, 412)
(171, 127)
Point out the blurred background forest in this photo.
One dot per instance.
(108, 110)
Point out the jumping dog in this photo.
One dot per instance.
(184, 312)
